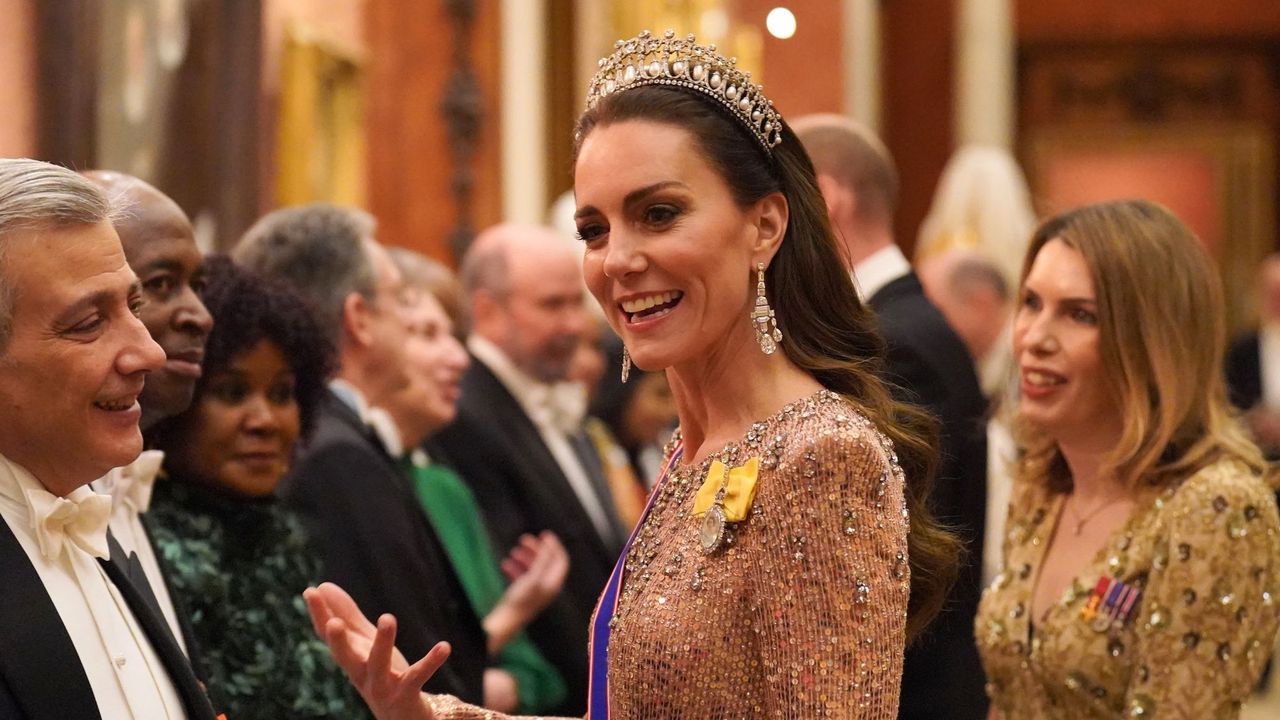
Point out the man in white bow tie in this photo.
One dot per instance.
(160, 247)
(518, 440)
(78, 638)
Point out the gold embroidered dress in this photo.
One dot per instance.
(1204, 554)
(802, 616)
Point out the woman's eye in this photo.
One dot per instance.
(231, 392)
(281, 393)
(660, 214)
(1081, 315)
(1031, 302)
(589, 233)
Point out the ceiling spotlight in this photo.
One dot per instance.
(781, 23)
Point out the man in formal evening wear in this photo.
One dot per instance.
(81, 633)
(518, 440)
(1253, 364)
(929, 364)
(348, 486)
(160, 247)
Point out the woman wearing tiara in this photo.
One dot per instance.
(769, 575)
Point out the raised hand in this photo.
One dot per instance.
(385, 679)
(536, 567)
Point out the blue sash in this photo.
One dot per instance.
(598, 645)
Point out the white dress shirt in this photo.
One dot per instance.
(1269, 365)
(127, 677)
(130, 491)
(879, 269)
(557, 411)
(376, 418)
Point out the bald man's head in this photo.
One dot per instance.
(524, 294)
(160, 247)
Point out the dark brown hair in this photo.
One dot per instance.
(829, 333)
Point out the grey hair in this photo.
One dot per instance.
(36, 196)
(975, 272)
(320, 250)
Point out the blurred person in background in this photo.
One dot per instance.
(588, 368)
(518, 439)
(520, 678)
(1144, 542)
(640, 413)
(1253, 364)
(927, 364)
(348, 484)
(237, 559)
(982, 204)
(971, 293)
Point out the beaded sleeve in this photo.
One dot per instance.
(1210, 618)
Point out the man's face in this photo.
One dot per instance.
(387, 324)
(77, 358)
(161, 250)
(543, 314)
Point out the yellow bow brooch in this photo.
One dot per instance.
(724, 498)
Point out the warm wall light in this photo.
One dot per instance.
(781, 23)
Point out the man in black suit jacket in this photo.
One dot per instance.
(930, 366)
(348, 485)
(518, 441)
(1252, 364)
(73, 361)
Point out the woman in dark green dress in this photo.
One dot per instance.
(237, 560)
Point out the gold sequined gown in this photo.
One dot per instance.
(1205, 554)
(802, 616)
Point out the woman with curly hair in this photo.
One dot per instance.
(236, 559)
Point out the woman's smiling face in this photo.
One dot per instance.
(670, 253)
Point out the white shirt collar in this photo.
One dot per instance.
(80, 518)
(375, 417)
(562, 405)
(879, 269)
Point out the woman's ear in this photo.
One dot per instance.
(771, 216)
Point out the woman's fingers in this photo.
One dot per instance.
(342, 606)
(317, 609)
(418, 673)
(379, 665)
(351, 661)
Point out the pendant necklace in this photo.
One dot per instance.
(1081, 521)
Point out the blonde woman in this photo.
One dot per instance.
(1142, 549)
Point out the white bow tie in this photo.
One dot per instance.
(135, 481)
(562, 405)
(80, 518)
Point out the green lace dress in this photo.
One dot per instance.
(237, 569)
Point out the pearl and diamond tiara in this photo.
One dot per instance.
(668, 60)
